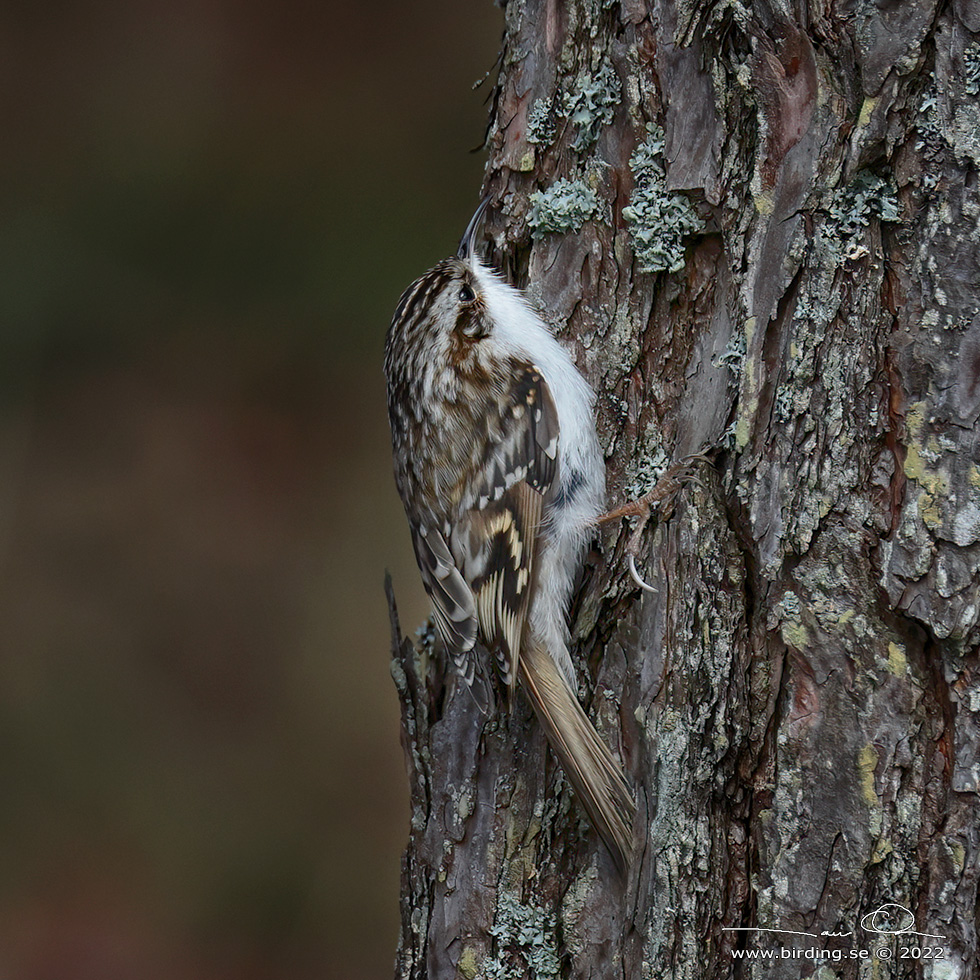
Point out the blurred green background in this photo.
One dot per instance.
(208, 209)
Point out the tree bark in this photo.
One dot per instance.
(756, 224)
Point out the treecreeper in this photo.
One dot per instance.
(498, 465)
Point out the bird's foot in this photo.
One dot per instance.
(660, 497)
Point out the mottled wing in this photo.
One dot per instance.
(500, 548)
(526, 443)
(452, 599)
(495, 547)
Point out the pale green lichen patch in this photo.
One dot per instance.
(645, 470)
(881, 850)
(733, 356)
(526, 941)
(943, 970)
(784, 407)
(764, 203)
(929, 124)
(788, 607)
(591, 104)
(897, 661)
(795, 635)
(824, 973)
(956, 852)
(464, 804)
(867, 762)
(469, 964)
(867, 108)
(866, 197)
(922, 459)
(966, 525)
(621, 344)
(949, 118)
(964, 132)
(542, 126)
(659, 219)
(565, 206)
(921, 455)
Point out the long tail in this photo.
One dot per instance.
(595, 775)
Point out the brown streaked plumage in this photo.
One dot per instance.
(498, 466)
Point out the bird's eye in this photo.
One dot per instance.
(466, 295)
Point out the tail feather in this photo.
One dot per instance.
(594, 774)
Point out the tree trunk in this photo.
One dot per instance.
(756, 226)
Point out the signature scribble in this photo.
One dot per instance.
(890, 919)
(883, 919)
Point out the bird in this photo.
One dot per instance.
(499, 468)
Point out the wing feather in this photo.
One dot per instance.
(497, 545)
(502, 542)
(452, 599)
(526, 445)
(480, 575)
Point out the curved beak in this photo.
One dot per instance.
(468, 240)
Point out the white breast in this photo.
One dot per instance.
(519, 330)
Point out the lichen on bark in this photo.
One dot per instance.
(798, 703)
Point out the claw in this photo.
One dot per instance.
(636, 576)
(667, 486)
(695, 457)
